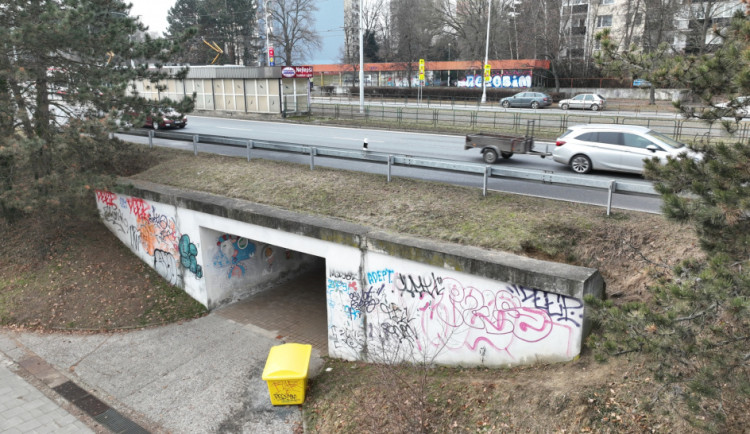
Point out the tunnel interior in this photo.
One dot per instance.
(274, 288)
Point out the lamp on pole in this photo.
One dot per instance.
(268, 26)
(486, 51)
(361, 64)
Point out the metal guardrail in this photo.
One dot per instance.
(487, 171)
(550, 123)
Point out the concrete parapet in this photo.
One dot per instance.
(564, 279)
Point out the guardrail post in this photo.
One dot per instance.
(390, 163)
(249, 147)
(487, 174)
(150, 138)
(312, 158)
(195, 145)
(612, 188)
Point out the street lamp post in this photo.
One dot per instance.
(268, 43)
(486, 51)
(361, 64)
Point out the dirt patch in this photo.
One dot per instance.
(79, 276)
(580, 396)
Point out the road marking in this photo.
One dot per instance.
(235, 129)
(358, 139)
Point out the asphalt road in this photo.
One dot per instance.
(406, 143)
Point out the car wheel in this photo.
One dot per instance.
(183, 126)
(534, 104)
(594, 107)
(505, 104)
(580, 163)
(489, 156)
(506, 155)
(564, 107)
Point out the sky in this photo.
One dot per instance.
(329, 22)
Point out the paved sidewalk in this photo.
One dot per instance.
(200, 376)
(24, 409)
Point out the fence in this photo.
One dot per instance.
(389, 160)
(439, 114)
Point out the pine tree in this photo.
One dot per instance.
(696, 328)
(66, 77)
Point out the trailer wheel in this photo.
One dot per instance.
(489, 156)
(506, 155)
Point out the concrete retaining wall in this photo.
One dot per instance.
(390, 297)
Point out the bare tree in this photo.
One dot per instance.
(414, 28)
(293, 29)
(467, 22)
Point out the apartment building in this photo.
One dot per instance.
(687, 25)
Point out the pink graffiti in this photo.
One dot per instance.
(468, 317)
(353, 286)
(138, 207)
(106, 197)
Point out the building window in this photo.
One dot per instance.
(604, 21)
(608, 2)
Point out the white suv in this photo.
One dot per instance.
(614, 147)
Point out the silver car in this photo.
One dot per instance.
(620, 148)
(585, 101)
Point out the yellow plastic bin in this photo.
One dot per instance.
(286, 373)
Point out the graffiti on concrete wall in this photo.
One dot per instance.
(189, 256)
(346, 336)
(232, 254)
(469, 317)
(428, 313)
(165, 265)
(152, 231)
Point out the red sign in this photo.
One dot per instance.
(297, 71)
(270, 51)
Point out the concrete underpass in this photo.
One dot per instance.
(292, 311)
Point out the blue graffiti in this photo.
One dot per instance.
(232, 251)
(188, 256)
(379, 276)
(352, 312)
(335, 285)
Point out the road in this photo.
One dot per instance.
(407, 143)
(495, 107)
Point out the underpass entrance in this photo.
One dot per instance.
(274, 288)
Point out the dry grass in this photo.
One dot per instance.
(627, 247)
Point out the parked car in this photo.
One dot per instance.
(639, 82)
(585, 101)
(614, 147)
(168, 118)
(527, 99)
(740, 108)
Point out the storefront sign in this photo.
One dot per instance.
(297, 72)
